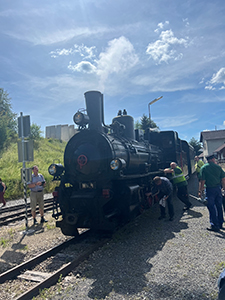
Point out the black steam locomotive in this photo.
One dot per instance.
(107, 169)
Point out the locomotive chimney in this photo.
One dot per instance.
(94, 105)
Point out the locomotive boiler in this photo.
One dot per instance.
(106, 171)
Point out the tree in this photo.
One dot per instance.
(35, 131)
(137, 125)
(196, 145)
(3, 130)
(145, 123)
(8, 124)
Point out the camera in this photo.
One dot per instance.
(43, 182)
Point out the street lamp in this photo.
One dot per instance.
(153, 101)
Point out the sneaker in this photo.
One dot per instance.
(35, 222)
(43, 220)
(161, 217)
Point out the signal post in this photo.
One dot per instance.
(25, 153)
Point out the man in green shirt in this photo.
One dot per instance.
(213, 176)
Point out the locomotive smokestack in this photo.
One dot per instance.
(94, 105)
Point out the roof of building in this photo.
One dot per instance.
(212, 135)
(220, 148)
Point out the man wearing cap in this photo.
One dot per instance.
(213, 176)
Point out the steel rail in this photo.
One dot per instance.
(4, 220)
(20, 206)
(15, 214)
(63, 271)
(12, 273)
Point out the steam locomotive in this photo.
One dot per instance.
(107, 169)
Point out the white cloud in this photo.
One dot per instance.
(162, 51)
(59, 52)
(83, 66)
(119, 57)
(176, 121)
(84, 51)
(161, 26)
(217, 78)
(186, 22)
(48, 37)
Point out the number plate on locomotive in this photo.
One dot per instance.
(87, 185)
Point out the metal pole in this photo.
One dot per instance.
(149, 112)
(153, 101)
(24, 175)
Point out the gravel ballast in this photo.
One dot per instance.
(151, 259)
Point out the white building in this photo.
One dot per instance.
(60, 132)
(212, 141)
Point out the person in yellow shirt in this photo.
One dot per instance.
(199, 163)
(180, 182)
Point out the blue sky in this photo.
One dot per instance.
(52, 52)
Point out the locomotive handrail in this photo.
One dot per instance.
(140, 175)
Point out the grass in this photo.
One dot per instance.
(50, 293)
(3, 242)
(45, 152)
(218, 269)
(50, 226)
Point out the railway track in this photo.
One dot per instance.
(17, 273)
(17, 212)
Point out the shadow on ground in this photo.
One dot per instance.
(123, 252)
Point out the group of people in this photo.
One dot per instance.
(36, 186)
(211, 182)
(211, 179)
(163, 188)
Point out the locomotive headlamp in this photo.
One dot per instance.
(117, 164)
(80, 118)
(55, 170)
